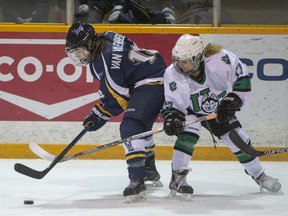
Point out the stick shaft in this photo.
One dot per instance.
(40, 152)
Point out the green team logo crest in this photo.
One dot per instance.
(226, 59)
(239, 70)
(173, 86)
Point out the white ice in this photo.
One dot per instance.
(94, 187)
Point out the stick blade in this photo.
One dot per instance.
(40, 152)
(237, 140)
(24, 170)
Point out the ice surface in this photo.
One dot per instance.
(94, 187)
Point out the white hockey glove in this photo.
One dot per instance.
(115, 15)
(20, 20)
(83, 8)
(82, 11)
(168, 14)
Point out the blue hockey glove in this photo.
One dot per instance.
(173, 124)
(228, 107)
(98, 116)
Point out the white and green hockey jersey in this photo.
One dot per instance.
(223, 73)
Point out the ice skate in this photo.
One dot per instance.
(179, 185)
(269, 183)
(152, 175)
(135, 191)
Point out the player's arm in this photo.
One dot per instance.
(240, 79)
(175, 106)
(241, 88)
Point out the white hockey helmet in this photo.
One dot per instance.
(187, 54)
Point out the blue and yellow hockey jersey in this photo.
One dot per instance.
(123, 67)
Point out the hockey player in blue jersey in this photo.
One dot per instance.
(200, 81)
(131, 81)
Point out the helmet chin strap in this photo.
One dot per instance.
(189, 73)
(197, 74)
(85, 62)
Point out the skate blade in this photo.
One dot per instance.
(179, 196)
(136, 198)
(155, 184)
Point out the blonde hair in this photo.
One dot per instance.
(212, 49)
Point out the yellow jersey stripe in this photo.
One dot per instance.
(102, 110)
(135, 156)
(121, 101)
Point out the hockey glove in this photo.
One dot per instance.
(228, 107)
(115, 16)
(98, 116)
(82, 11)
(168, 14)
(173, 124)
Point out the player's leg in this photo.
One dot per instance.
(151, 173)
(252, 165)
(135, 158)
(143, 108)
(182, 153)
(148, 101)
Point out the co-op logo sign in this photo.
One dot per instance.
(28, 63)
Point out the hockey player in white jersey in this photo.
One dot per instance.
(200, 81)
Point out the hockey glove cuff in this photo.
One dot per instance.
(228, 107)
(173, 124)
(98, 116)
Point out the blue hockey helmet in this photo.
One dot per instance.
(80, 43)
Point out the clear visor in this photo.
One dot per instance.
(183, 66)
(187, 66)
(79, 56)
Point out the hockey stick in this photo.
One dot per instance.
(237, 140)
(46, 155)
(25, 170)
